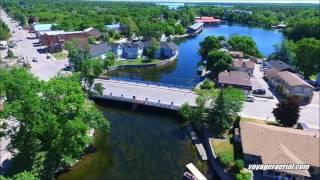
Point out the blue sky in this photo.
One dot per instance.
(233, 1)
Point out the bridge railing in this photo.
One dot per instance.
(154, 83)
(143, 101)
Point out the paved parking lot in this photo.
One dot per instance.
(45, 68)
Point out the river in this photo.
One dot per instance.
(183, 72)
(142, 145)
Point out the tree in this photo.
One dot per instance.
(245, 44)
(154, 47)
(4, 31)
(218, 61)
(91, 39)
(208, 44)
(307, 56)
(21, 176)
(116, 36)
(224, 112)
(53, 119)
(239, 164)
(179, 29)
(287, 112)
(197, 115)
(10, 54)
(109, 60)
(284, 52)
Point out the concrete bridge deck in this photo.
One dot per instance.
(147, 94)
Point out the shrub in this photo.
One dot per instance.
(207, 85)
(225, 159)
(243, 176)
(116, 36)
(10, 54)
(239, 164)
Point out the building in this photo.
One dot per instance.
(318, 79)
(114, 27)
(279, 66)
(117, 49)
(243, 66)
(166, 50)
(235, 79)
(54, 40)
(132, 50)
(93, 32)
(207, 20)
(100, 50)
(195, 28)
(37, 28)
(292, 85)
(268, 144)
(236, 54)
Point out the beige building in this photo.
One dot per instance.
(243, 66)
(268, 144)
(292, 85)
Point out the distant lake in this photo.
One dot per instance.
(184, 71)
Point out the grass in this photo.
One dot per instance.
(60, 55)
(223, 146)
(259, 121)
(139, 61)
(313, 77)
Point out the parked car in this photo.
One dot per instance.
(259, 91)
(250, 98)
(34, 60)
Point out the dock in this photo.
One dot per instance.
(199, 146)
(195, 171)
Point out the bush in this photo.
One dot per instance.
(116, 36)
(10, 54)
(243, 176)
(239, 164)
(207, 84)
(225, 159)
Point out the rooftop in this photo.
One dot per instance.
(42, 27)
(99, 49)
(279, 145)
(196, 26)
(292, 79)
(234, 78)
(280, 66)
(206, 19)
(240, 63)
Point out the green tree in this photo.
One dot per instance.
(224, 112)
(179, 29)
(284, 52)
(4, 31)
(208, 44)
(287, 112)
(116, 36)
(245, 44)
(218, 61)
(307, 56)
(10, 54)
(239, 165)
(155, 46)
(53, 119)
(91, 39)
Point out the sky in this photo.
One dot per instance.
(232, 1)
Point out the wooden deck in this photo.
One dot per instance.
(199, 146)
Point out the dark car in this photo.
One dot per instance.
(259, 91)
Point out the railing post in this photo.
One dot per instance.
(110, 94)
(146, 99)
(159, 101)
(121, 95)
(134, 97)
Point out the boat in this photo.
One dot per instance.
(189, 176)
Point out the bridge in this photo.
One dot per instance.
(148, 94)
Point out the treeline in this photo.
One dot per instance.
(141, 18)
(4, 31)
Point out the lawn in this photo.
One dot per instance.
(223, 146)
(139, 61)
(60, 55)
(259, 121)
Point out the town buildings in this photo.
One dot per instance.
(207, 20)
(236, 79)
(268, 144)
(195, 28)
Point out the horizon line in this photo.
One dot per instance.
(222, 1)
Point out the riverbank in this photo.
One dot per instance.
(140, 63)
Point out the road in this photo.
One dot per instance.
(45, 68)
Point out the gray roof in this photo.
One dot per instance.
(99, 49)
(235, 78)
(196, 26)
(169, 45)
(133, 45)
(281, 66)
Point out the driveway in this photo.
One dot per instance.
(45, 68)
(258, 82)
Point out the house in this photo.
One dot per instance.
(195, 28)
(292, 85)
(236, 54)
(93, 32)
(268, 144)
(168, 49)
(100, 50)
(54, 40)
(279, 66)
(318, 79)
(236, 79)
(37, 28)
(132, 50)
(115, 27)
(243, 66)
(117, 49)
